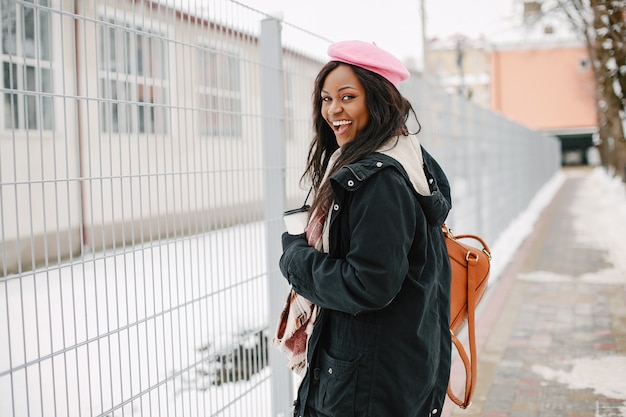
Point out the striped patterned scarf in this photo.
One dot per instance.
(297, 318)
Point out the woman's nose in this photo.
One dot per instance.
(334, 108)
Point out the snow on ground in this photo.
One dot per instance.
(122, 333)
(520, 228)
(604, 375)
(600, 224)
(143, 323)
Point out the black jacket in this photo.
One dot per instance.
(381, 345)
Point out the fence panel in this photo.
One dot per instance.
(140, 200)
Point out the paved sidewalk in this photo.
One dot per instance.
(552, 330)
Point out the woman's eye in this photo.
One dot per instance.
(347, 97)
(325, 98)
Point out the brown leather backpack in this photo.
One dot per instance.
(470, 274)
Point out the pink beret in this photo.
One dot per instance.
(370, 57)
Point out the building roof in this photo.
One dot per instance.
(545, 29)
(541, 26)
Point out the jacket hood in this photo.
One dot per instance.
(408, 152)
(424, 174)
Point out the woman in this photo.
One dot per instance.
(370, 277)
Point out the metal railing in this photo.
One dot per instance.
(147, 151)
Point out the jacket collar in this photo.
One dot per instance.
(436, 206)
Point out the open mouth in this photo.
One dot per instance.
(341, 126)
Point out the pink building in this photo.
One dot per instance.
(545, 89)
(537, 73)
(550, 88)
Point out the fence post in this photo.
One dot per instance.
(273, 121)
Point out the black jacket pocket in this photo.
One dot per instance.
(337, 385)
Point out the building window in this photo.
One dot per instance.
(478, 61)
(584, 64)
(26, 41)
(219, 94)
(133, 80)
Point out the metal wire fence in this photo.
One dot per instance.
(147, 150)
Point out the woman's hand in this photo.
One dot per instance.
(289, 239)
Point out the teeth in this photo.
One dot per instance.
(341, 122)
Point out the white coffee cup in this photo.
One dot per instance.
(296, 220)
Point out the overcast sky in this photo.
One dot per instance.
(394, 25)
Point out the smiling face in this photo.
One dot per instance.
(343, 104)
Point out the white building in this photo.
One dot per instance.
(116, 118)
